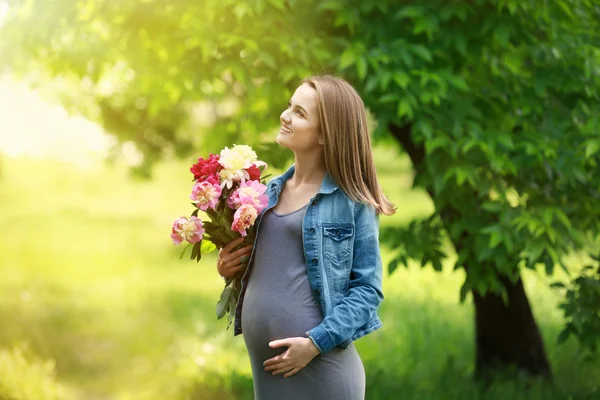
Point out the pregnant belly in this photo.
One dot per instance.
(270, 313)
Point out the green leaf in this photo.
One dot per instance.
(459, 82)
(347, 58)
(196, 251)
(233, 299)
(422, 52)
(361, 67)
(566, 9)
(184, 249)
(492, 206)
(464, 290)
(410, 11)
(564, 334)
(388, 98)
(402, 79)
(547, 216)
(404, 108)
(560, 214)
(207, 246)
(427, 24)
(592, 148)
(268, 60)
(495, 239)
(435, 143)
(223, 303)
(426, 129)
(392, 266)
(557, 285)
(461, 44)
(549, 265)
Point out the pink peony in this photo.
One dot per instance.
(249, 192)
(244, 218)
(187, 229)
(206, 194)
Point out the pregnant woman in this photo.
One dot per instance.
(313, 282)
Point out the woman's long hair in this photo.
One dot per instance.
(348, 155)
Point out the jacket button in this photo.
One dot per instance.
(312, 230)
(314, 260)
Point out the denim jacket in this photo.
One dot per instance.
(343, 263)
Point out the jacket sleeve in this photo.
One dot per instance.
(364, 295)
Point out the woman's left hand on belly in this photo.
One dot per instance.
(300, 352)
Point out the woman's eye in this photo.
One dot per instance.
(299, 113)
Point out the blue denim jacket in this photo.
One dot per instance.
(343, 263)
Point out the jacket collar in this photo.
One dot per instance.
(328, 185)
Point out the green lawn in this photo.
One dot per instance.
(90, 280)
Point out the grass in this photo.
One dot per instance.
(90, 281)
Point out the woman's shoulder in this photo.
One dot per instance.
(355, 205)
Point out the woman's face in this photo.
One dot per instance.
(300, 129)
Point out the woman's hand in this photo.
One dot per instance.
(229, 263)
(300, 352)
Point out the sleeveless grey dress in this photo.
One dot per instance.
(279, 304)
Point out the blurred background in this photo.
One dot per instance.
(484, 119)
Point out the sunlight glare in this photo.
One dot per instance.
(29, 126)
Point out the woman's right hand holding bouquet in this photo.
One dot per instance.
(231, 262)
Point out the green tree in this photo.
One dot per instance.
(495, 102)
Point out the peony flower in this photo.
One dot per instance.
(228, 177)
(239, 157)
(244, 218)
(250, 192)
(236, 162)
(208, 167)
(253, 172)
(206, 194)
(187, 229)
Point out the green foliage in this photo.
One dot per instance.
(504, 99)
(165, 73)
(24, 376)
(581, 308)
(421, 240)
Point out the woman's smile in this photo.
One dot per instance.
(285, 130)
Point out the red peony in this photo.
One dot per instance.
(204, 168)
(254, 172)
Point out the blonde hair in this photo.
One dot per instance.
(347, 149)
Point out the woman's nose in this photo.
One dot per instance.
(284, 117)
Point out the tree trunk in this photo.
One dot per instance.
(505, 335)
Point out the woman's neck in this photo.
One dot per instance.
(308, 169)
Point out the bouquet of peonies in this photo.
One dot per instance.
(227, 188)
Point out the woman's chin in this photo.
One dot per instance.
(282, 140)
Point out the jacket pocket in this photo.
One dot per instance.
(337, 241)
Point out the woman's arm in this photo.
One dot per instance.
(364, 295)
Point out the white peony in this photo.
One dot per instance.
(234, 162)
(239, 157)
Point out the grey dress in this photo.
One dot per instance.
(279, 304)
